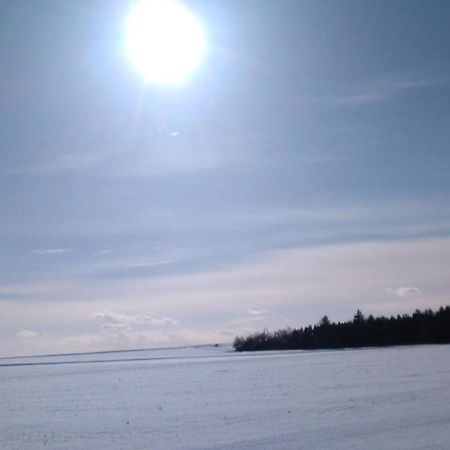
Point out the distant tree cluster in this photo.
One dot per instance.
(423, 327)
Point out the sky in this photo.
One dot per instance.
(302, 170)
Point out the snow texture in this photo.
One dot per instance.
(212, 398)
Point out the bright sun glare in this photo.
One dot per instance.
(164, 40)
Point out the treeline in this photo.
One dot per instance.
(423, 327)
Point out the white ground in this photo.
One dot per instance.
(206, 397)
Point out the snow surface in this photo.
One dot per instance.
(212, 398)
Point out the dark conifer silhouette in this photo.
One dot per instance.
(423, 327)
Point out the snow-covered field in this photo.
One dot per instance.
(208, 397)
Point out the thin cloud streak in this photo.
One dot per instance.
(405, 291)
(382, 90)
(126, 319)
(51, 251)
(28, 334)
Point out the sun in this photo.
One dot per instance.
(164, 41)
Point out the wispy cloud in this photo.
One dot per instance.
(80, 160)
(114, 263)
(119, 319)
(29, 334)
(104, 252)
(172, 161)
(258, 312)
(381, 90)
(250, 316)
(405, 291)
(142, 264)
(51, 251)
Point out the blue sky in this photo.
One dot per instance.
(302, 170)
